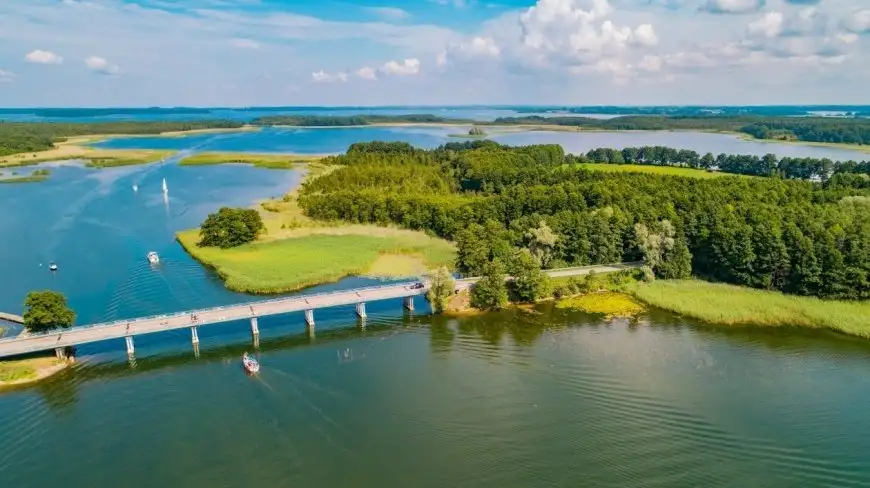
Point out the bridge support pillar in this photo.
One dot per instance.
(255, 329)
(60, 352)
(309, 318)
(361, 309)
(409, 303)
(130, 349)
(194, 336)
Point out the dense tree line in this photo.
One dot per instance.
(19, 137)
(811, 129)
(790, 235)
(347, 120)
(759, 110)
(767, 165)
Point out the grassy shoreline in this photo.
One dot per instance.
(18, 372)
(261, 160)
(734, 305)
(297, 252)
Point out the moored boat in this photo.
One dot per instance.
(250, 364)
(153, 258)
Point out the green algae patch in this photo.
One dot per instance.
(609, 304)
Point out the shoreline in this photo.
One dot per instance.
(297, 253)
(31, 370)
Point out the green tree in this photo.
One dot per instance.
(441, 288)
(529, 282)
(231, 227)
(490, 292)
(47, 310)
(676, 262)
(542, 241)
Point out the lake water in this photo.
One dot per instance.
(336, 140)
(547, 399)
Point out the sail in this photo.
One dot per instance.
(165, 189)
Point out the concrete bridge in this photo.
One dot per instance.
(60, 340)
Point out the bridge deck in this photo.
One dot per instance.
(28, 343)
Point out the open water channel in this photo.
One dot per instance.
(503, 400)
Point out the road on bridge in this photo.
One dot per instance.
(27, 343)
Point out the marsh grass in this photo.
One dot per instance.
(294, 263)
(734, 305)
(659, 170)
(34, 177)
(610, 304)
(268, 161)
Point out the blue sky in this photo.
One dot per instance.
(393, 52)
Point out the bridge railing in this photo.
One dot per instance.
(218, 308)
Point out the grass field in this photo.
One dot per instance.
(295, 263)
(30, 369)
(76, 148)
(297, 252)
(734, 305)
(271, 161)
(659, 170)
(34, 177)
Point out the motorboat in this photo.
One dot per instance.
(153, 258)
(250, 364)
(135, 187)
(52, 267)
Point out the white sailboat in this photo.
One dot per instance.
(135, 187)
(165, 188)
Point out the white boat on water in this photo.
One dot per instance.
(165, 188)
(52, 267)
(153, 258)
(250, 364)
(135, 187)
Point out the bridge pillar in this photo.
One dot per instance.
(194, 336)
(309, 318)
(60, 352)
(361, 309)
(255, 329)
(409, 303)
(130, 349)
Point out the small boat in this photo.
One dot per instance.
(135, 188)
(250, 364)
(52, 267)
(153, 258)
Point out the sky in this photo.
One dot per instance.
(433, 52)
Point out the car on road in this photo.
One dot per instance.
(417, 286)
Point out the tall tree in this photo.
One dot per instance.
(47, 310)
(529, 282)
(231, 227)
(490, 292)
(441, 288)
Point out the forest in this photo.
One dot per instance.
(809, 129)
(19, 137)
(349, 120)
(791, 235)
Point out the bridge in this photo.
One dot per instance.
(193, 319)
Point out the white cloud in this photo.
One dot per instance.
(410, 66)
(245, 44)
(858, 22)
(39, 56)
(101, 65)
(651, 63)
(770, 25)
(6, 76)
(645, 35)
(733, 6)
(324, 77)
(391, 13)
(367, 73)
